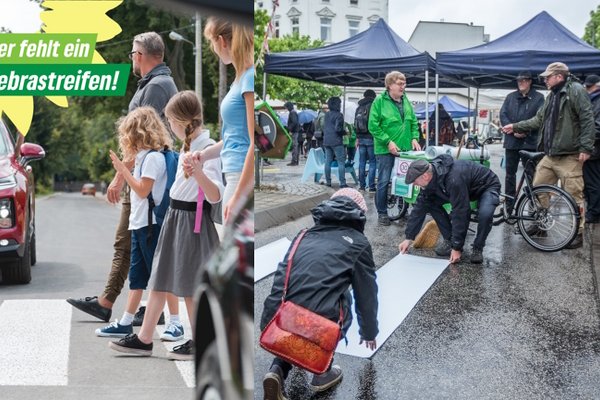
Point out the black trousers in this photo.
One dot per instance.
(511, 161)
(591, 190)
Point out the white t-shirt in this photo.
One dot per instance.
(154, 168)
(187, 189)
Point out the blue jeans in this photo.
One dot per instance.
(142, 254)
(385, 163)
(340, 156)
(366, 152)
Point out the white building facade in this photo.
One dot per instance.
(329, 20)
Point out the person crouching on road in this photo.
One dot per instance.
(457, 182)
(332, 256)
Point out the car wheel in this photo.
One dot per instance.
(19, 272)
(208, 378)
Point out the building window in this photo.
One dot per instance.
(295, 25)
(276, 29)
(354, 2)
(326, 29)
(353, 27)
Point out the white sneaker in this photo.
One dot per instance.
(173, 333)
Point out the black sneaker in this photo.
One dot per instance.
(327, 379)
(91, 306)
(130, 344)
(383, 220)
(183, 352)
(292, 164)
(138, 318)
(477, 256)
(273, 384)
(443, 249)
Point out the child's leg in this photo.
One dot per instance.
(173, 303)
(133, 300)
(189, 304)
(154, 306)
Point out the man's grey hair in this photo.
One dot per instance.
(152, 43)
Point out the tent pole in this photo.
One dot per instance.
(426, 107)
(476, 112)
(264, 91)
(468, 111)
(437, 109)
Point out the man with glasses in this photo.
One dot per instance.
(155, 88)
(566, 125)
(394, 127)
(519, 105)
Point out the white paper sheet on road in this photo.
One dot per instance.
(402, 282)
(266, 258)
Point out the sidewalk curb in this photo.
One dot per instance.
(287, 212)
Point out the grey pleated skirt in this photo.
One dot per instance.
(181, 253)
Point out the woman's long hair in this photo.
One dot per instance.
(239, 37)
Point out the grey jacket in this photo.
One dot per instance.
(155, 89)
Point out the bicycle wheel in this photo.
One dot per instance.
(396, 207)
(548, 219)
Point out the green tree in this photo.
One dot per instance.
(592, 28)
(305, 94)
(77, 139)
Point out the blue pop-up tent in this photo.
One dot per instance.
(453, 108)
(362, 60)
(532, 46)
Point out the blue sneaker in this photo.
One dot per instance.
(173, 333)
(115, 330)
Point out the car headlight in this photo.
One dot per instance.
(6, 213)
(8, 182)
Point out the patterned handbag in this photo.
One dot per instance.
(298, 335)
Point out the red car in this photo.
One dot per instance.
(17, 207)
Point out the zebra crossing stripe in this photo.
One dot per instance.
(34, 342)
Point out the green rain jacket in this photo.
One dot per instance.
(386, 124)
(574, 132)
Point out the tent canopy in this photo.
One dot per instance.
(362, 60)
(532, 46)
(453, 108)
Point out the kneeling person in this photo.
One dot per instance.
(457, 182)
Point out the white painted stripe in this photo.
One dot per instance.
(186, 368)
(402, 282)
(34, 342)
(268, 257)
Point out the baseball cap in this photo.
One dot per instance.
(554, 68)
(415, 170)
(591, 80)
(524, 75)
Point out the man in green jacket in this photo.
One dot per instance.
(566, 126)
(393, 124)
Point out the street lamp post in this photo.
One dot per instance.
(197, 53)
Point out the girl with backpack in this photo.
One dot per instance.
(188, 236)
(142, 136)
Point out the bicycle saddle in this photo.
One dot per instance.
(531, 155)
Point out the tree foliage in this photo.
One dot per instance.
(592, 28)
(77, 139)
(305, 94)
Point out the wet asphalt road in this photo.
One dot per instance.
(523, 325)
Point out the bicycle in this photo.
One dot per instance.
(547, 216)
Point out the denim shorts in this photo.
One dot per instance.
(142, 253)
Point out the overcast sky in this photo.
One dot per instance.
(499, 17)
(20, 16)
